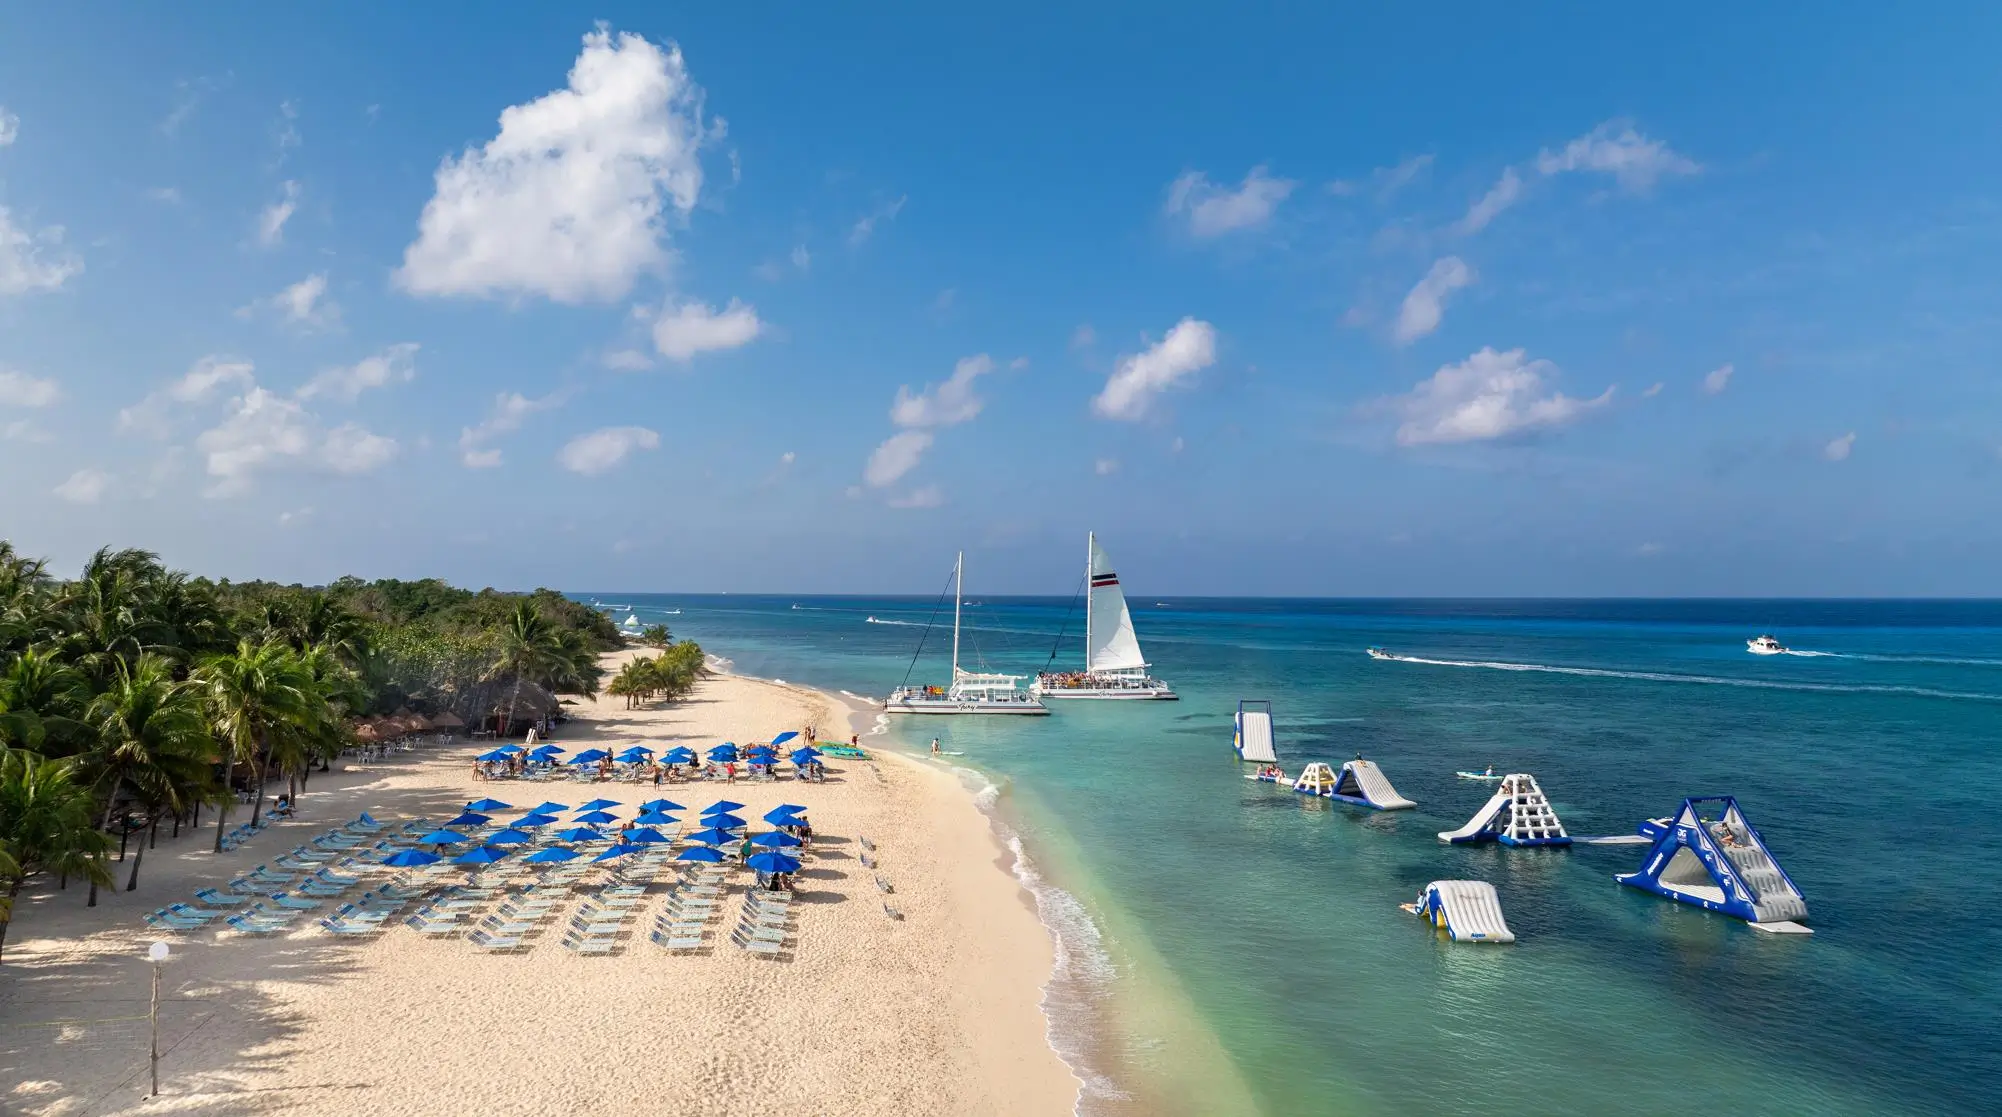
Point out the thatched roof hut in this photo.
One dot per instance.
(448, 720)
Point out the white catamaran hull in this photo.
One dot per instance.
(952, 706)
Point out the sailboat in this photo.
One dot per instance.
(971, 692)
(1113, 665)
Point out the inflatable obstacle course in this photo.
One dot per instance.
(1254, 732)
(1518, 814)
(1709, 855)
(1467, 910)
(1359, 781)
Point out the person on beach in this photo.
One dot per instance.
(730, 771)
(656, 775)
(934, 746)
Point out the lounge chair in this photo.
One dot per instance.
(893, 913)
(227, 899)
(883, 885)
(288, 900)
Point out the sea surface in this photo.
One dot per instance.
(1229, 946)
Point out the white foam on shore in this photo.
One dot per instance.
(1080, 978)
(719, 663)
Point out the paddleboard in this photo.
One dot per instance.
(1478, 776)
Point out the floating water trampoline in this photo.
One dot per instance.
(1466, 910)
(1710, 855)
(1518, 814)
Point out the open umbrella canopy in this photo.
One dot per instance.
(761, 756)
(545, 752)
(711, 836)
(490, 757)
(784, 737)
(581, 834)
(488, 805)
(595, 817)
(549, 808)
(480, 855)
(721, 806)
(411, 858)
(661, 805)
(680, 755)
(773, 840)
(726, 821)
(801, 756)
(637, 750)
(785, 809)
(531, 821)
(441, 838)
(644, 835)
(546, 856)
(599, 804)
(511, 837)
(773, 863)
(469, 818)
(510, 749)
(699, 853)
(723, 753)
(656, 818)
(589, 756)
(620, 850)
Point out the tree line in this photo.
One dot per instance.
(133, 695)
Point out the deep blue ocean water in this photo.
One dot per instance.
(1873, 770)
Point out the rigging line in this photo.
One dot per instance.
(1061, 629)
(921, 636)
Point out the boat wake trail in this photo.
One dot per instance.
(1868, 657)
(879, 620)
(1704, 680)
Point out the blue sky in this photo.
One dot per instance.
(1280, 302)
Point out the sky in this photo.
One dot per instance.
(1548, 300)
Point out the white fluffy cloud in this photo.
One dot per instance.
(604, 448)
(1717, 379)
(394, 365)
(898, 455)
(1425, 305)
(1617, 149)
(569, 199)
(1506, 191)
(1213, 210)
(1139, 377)
(510, 411)
(85, 486)
(304, 304)
(946, 404)
(685, 329)
(1489, 395)
(271, 222)
(33, 261)
(929, 496)
(865, 228)
(10, 127)
(1838, 449)
(1105, 467)
(151, 415)
(18, 389)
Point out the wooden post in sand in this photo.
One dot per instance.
(158, 954)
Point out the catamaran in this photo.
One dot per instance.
(971, 692)
(1113, 665)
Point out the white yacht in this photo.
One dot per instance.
(1113, 665)
(1764, 645)
(971, 692)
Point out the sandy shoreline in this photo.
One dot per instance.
(937, 1013)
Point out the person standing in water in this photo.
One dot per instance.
(934, 746)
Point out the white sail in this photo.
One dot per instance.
(1109, 643)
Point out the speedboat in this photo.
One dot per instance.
(1379, 653)
(1764, 645)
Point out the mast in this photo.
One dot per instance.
(958, 582)
(1090, 538)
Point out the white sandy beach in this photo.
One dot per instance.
(938, 1013)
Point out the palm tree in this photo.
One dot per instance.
(151, 739)
(40, 687)
(251, 693)
(530, 651)
(107, 613)
(45, 827)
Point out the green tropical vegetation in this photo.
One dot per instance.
(133, 695)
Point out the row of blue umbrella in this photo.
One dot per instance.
(723, 753)
(717, 831)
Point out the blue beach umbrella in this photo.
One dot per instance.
(511, 838)
(656, 818)
(679, 755)
(480, 855)
(774, 840)
(469, 818)
(636, 750)
(699, 853)
(773, 863)
(711, 837)
(510, 749)
(488, 805)
(782, 817)
(545, 752)
(801, 756)
(599, 804)
(784, 737)
(620, 850)
(489, 757)
(721, 806)
(549, 808)
(726, 821)
(589, 756)
(595, 817)
(580, 834)
(644, 835)
(411, 858)
(441, 838)
(723, 753)
(785, 808)
(661, 805)
(531, 821)
(547, 856)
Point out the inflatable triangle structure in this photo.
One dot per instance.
(1709, 855)
(1518, 814)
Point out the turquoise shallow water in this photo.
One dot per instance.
(1873, 772)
